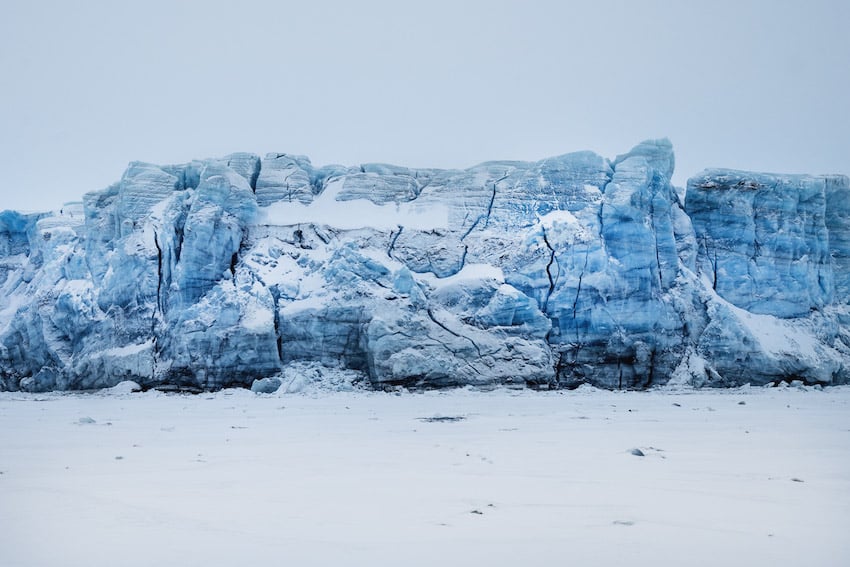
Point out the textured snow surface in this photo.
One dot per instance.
(571, 270)
(751, 477)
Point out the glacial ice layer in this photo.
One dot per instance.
(574, 269)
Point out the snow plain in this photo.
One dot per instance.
(739, 477)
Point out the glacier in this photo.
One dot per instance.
(571, 270)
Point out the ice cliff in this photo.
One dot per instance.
(574, 269)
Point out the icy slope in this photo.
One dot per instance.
(574, 269)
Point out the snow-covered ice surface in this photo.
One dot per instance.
(737, 477)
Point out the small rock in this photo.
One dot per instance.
(119, 458)
(678, 405)
(742, 403)
(478, 512)
(795, 479)
(442, 419)
(637, 452)
(86, 420)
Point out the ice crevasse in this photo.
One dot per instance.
(574, 269)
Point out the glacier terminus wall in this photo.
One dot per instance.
(570, 270)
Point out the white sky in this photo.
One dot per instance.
(89, 86)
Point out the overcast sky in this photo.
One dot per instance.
(89, 86)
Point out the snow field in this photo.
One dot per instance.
(740, 477)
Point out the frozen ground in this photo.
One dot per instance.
(743, 477)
